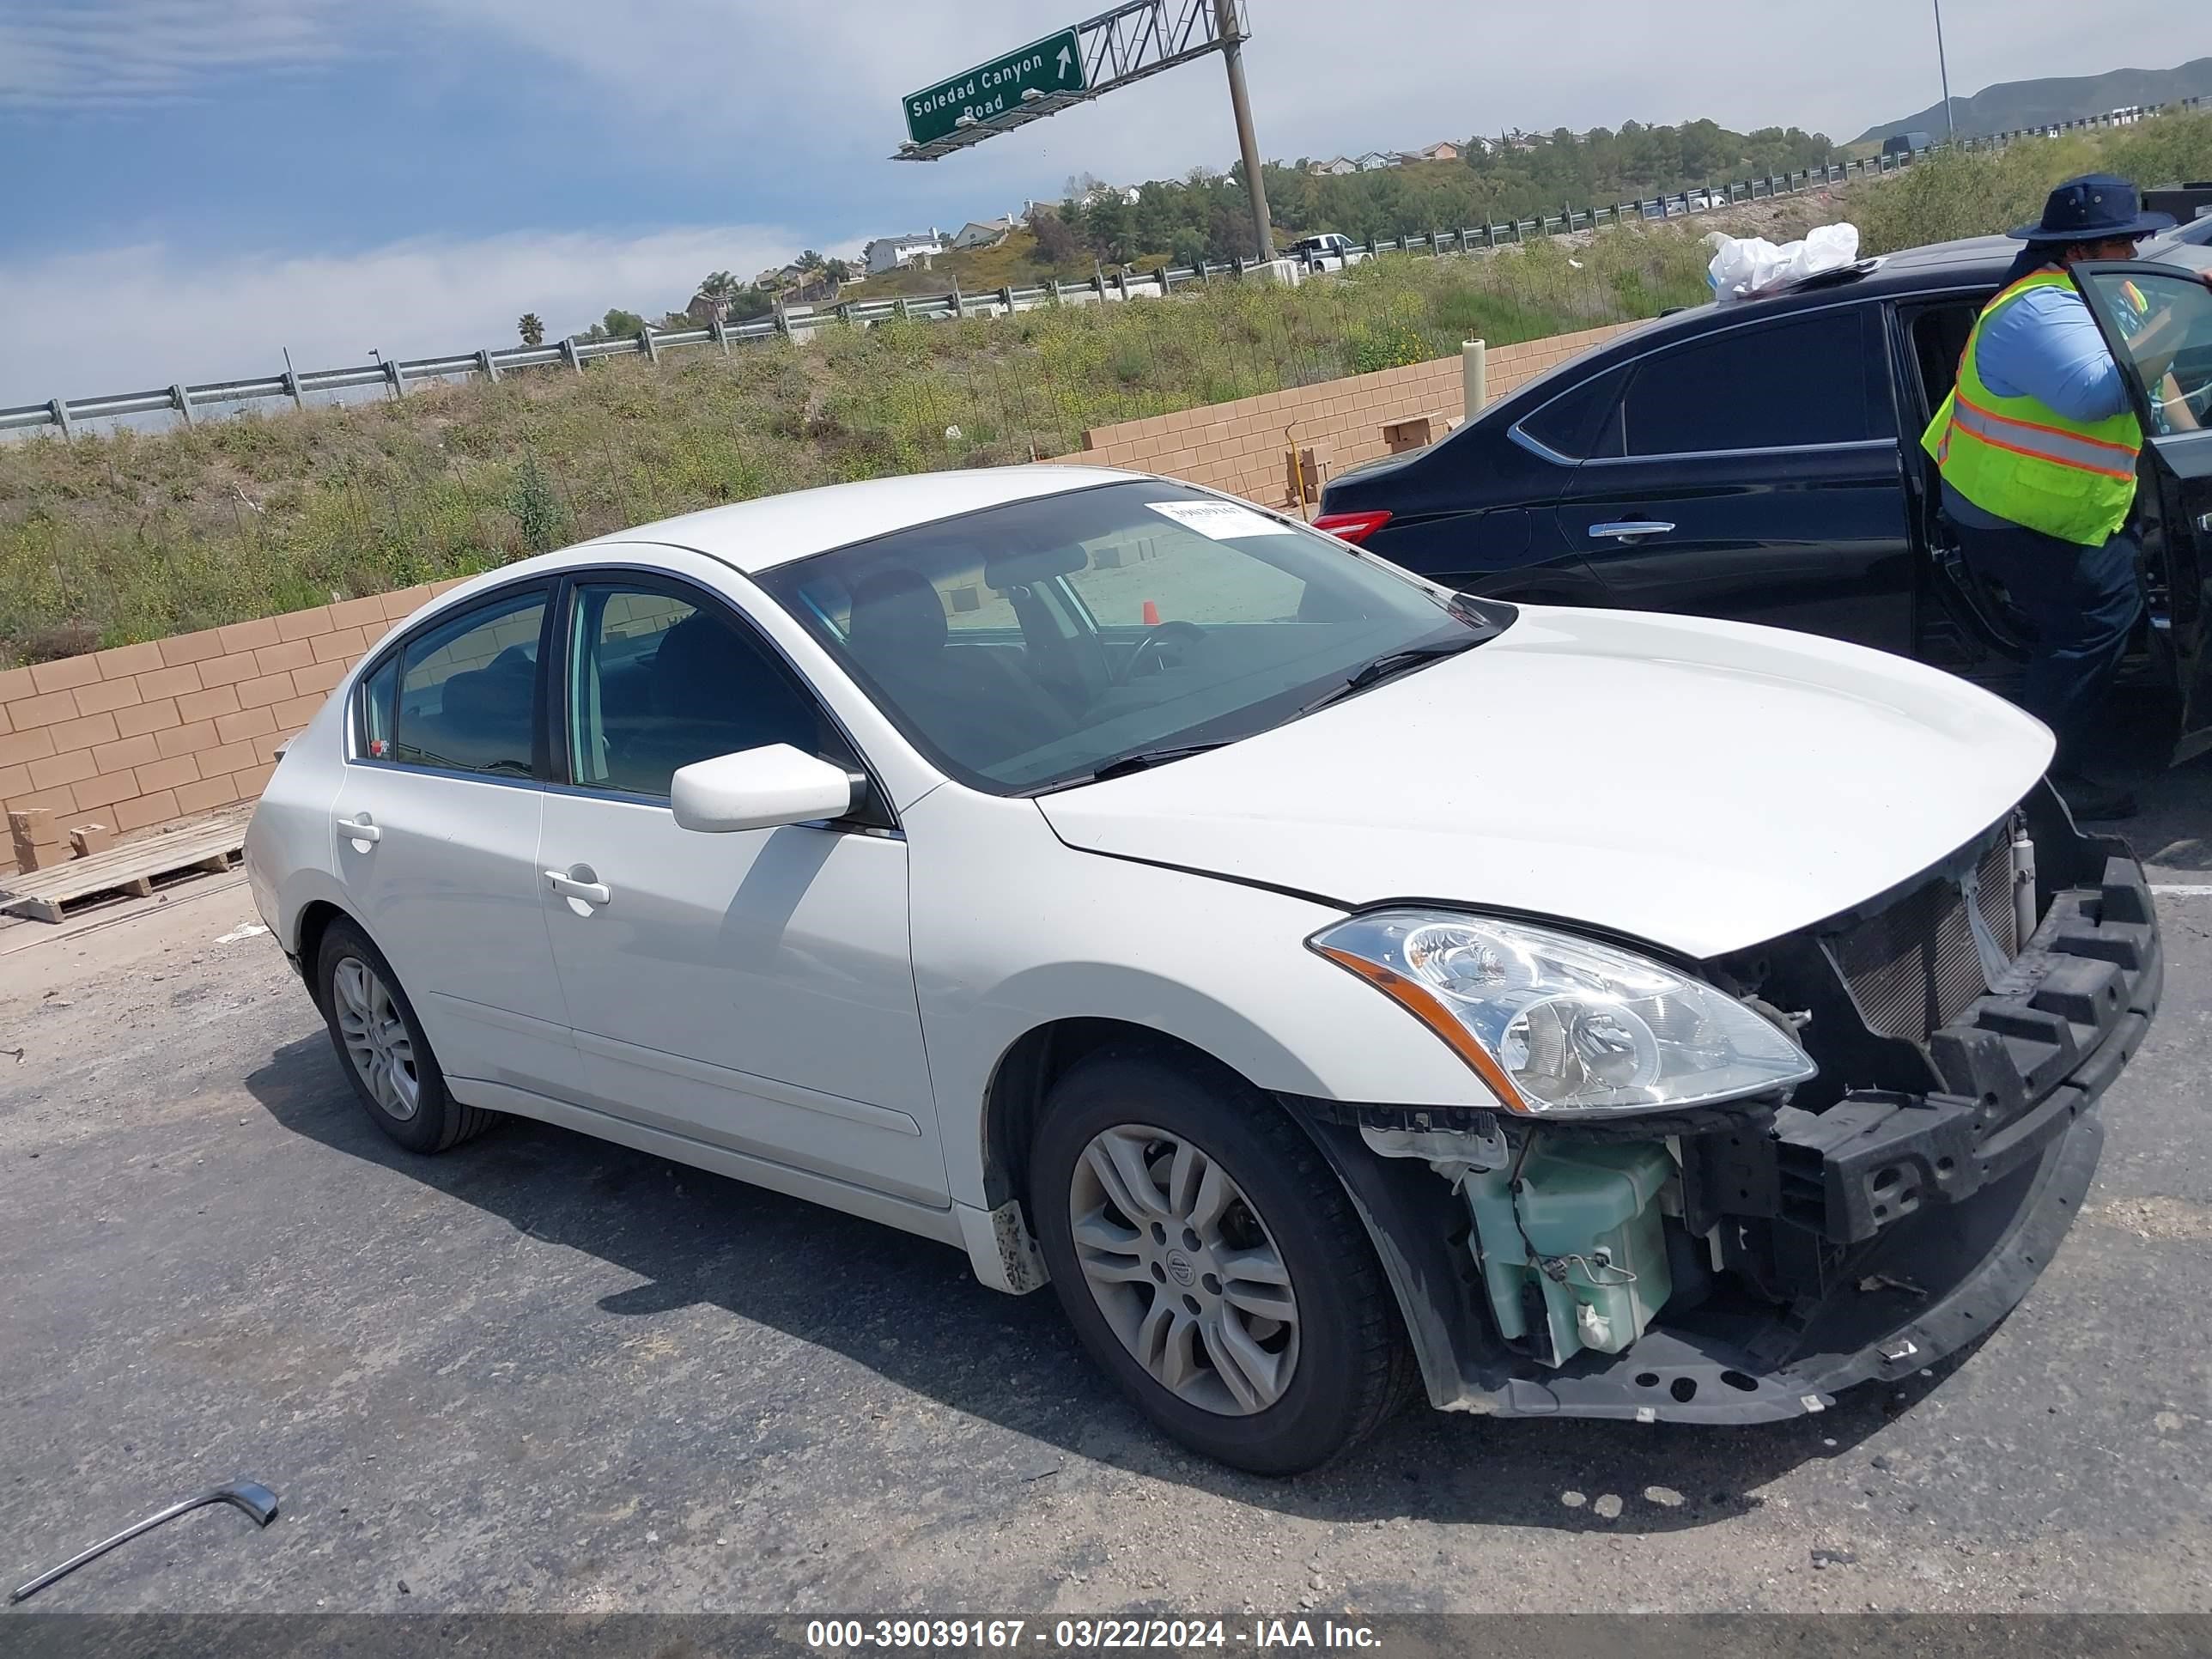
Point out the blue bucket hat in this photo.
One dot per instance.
(2092, 208)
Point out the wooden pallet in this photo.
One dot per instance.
(129, 871)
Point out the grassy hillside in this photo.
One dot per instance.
(1970, 195)
(2011, 105)
(109, 538)
(1014, 262)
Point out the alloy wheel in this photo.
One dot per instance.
(1178, 1260)
(376, 1038)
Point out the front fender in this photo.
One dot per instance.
(1013, 930)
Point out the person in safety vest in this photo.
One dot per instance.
(2038, 444)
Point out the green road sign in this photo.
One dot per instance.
(1053, 64)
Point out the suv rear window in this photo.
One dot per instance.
(1774, 385)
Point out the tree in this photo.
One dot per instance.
(810, 261)
(622, 325)
(838, 270)
(532, 329)
(1056, 245)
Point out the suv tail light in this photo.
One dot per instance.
(1353, 527)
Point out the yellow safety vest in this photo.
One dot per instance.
(2022, 460)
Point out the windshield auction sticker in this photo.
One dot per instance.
(1224, 521)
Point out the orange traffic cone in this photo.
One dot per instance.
(1151, 614)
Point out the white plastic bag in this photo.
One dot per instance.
(1743, 266)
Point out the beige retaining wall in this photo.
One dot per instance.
(144, 734)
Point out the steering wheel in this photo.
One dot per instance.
(1157, 634)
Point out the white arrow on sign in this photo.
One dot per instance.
(1063, 63)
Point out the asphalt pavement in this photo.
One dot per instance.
(543, 1372)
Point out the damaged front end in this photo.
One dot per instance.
(1744, 1261)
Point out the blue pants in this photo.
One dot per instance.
(2083, 601)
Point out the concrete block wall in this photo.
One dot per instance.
(179, 727)
(1241, 446)
(143, 734)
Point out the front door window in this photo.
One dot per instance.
(2162, 322)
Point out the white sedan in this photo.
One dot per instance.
(1330, 985)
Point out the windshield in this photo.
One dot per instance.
(1032, 646)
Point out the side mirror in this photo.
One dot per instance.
(758, 789)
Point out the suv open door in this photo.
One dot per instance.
(2157, 319)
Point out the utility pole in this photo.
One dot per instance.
(1950, 121)
(1230, 31)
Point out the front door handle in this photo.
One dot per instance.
(584, 892)
(1631, 530)
(360, 830)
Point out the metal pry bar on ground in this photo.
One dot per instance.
(255, 1500)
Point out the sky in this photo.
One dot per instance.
(189, 188)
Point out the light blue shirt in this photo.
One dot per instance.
(2045, 345)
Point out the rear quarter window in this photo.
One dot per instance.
(1782, 384)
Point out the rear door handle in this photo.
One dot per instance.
(586, 892)
(1629, 530)
(360, 828)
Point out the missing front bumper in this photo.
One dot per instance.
(1890, 1229)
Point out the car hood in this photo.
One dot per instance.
(1705, 786)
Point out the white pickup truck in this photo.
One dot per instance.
(1328, 252)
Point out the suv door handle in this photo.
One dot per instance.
(360, 828)
(586, 892)
(1630, 530)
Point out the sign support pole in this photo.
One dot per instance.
(1240, 102)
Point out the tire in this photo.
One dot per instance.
(393, 1072)
(1295, 1392)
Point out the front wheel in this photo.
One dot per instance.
(1211, 1261)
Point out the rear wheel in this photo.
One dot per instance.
(381, 1046)
(1210, 1259)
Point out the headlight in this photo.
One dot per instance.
(1557, 1025)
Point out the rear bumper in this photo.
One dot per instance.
(1907, 1226)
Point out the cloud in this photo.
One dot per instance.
(104, 54)
(819, 88)
(128, 319)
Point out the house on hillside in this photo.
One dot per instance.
(984, 233)
(1375, 160)
(1444, 150)
(894, 253)
(1335, 167)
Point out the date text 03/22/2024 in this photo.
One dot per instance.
(1087, 1635)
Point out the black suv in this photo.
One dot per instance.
(1760, 461)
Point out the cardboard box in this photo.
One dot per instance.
(1401, 436)
(1308, 465)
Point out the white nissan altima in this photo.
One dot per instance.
(1331, 987)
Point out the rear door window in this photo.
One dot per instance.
(1782, 384)
(468, 691)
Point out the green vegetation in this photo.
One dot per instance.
(108, 538)
(1520, 175)
(1208, 215)
(127, 536)
(1973, 194)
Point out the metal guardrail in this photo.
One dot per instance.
(188, 401)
